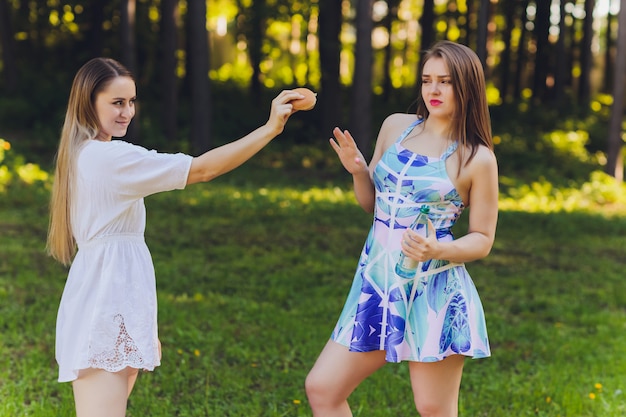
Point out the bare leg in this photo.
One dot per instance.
(132, 378)
(336, 373)
(436, 386)
(98, 393)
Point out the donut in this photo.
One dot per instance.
(306, 103)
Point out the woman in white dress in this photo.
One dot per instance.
(107, 320)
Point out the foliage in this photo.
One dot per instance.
(13, 168)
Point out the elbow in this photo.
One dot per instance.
(199, 173)
(480, 247)
(485, 250)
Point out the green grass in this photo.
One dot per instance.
(252, 279)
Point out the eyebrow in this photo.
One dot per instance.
(438, 76)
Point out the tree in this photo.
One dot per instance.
(481, 39)
(542, 56)
(584, 86)
(94, 36)
(7, 44)
(392, 16)
(521, 52)
(561, 60)
(127, 34)
(129, 53)
(426, 21)
(167, 69)
(330, 101)
(609, 63)
(253, 27)
(615, 163)
(198, 56)
(361, 107)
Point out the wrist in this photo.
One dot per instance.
(363, 174)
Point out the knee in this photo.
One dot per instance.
(314, 388)
(318, 390)
(428, 407)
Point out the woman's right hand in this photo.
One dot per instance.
(349, 154)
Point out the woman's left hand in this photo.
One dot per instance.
(419, 247)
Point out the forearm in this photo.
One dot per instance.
(467, 248)
(227, 157)
(364, 191)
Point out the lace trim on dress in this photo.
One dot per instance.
(125, 352)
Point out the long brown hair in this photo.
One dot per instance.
(471, 124)
(81, 124)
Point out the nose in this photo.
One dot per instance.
(129, 110)
(434, 87)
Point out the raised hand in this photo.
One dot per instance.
(349, 154)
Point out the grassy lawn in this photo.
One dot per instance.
(251, 280)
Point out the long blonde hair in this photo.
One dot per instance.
(471, 122)
(81, 124)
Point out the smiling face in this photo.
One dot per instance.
(437, 89)
(115, 107)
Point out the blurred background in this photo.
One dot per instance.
(206, 70)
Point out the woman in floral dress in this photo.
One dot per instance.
(441, 157)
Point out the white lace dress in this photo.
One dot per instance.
(108, 313)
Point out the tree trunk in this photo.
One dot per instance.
(167, 70)
(584, 86)
(510, 9)
(330, 98)
(470, 23)
(521, 53)
(481, 40)
(609, 60)
(199, 77)
(542, 56)
(129, 53)
(426, 21)
(361, 106)
(561, 61)
(392, 15)
(95, 34)
(7, 44)
(256, 31)
(615, 163)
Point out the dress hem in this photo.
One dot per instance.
(74, 372)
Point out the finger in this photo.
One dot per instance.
(338, 135)
(286, 96)
(349, 137)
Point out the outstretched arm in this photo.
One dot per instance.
(225, 158)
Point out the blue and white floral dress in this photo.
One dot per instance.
(436, 314)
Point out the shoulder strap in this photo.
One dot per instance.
(408, 130)
(450, 150)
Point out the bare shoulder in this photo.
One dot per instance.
(485, 155)
(399, 119)
(483, 168)
(393, 126)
